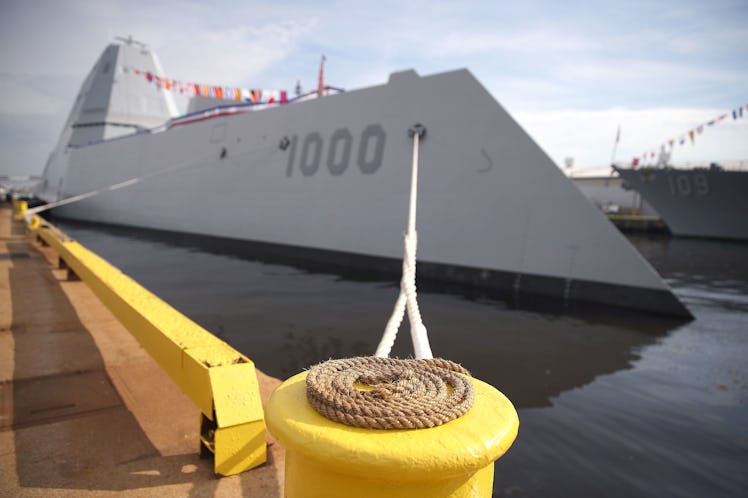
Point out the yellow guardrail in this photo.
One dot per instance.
(219, 380)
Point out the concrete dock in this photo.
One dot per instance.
(84, 410)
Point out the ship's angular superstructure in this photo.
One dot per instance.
(331, 175)
(111, 103)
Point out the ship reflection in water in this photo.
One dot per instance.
(610, 403)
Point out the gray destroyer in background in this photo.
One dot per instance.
(709, 202)
(330, 178)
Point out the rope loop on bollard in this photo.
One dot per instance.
(407, 299)
(388, 393)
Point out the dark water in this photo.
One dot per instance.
(610, 403)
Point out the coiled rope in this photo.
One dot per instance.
(388, 393)
(383, 393)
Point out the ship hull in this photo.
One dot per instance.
(710, 203)
(331, 176)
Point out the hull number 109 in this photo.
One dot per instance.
(688, 185)
(313, 151)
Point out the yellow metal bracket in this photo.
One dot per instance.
(219, 380)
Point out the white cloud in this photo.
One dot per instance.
(535, 40)
(589, 136)
(26, 98)
(654, 73)
(231, 55)
(536, 57)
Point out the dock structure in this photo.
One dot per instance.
(628, 223)
(84, 409)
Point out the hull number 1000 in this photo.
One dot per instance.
(312, 152)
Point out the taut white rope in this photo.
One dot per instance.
(132, 181)
(80, 197)
(116, 186)
(408, 299)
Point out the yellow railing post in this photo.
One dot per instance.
(220, 381)
(20, 208)
(326, 459)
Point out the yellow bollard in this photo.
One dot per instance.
(33, 222)
(326, 459)
(21, 207)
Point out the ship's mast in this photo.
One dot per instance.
(130, 41)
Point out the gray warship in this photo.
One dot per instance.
(329, 178)
(706, 202)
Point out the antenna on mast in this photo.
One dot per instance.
(130, 41)
(321, 79)
(615, 146)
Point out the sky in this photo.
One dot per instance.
(570, 72)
